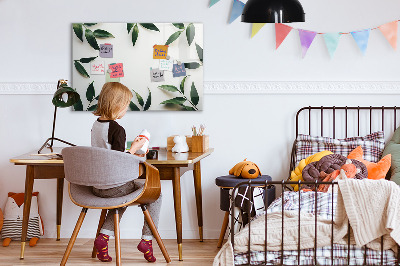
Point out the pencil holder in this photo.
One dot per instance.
(200, 143)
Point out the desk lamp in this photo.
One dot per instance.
(63, 97)
(273, 11)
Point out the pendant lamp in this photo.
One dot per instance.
(273, 11)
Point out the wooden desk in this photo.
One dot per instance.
(171, 167)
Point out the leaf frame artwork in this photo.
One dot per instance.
(133, 48)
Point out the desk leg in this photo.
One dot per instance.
(176, 182)
(199, 204)
(60, 190)
(27, 206)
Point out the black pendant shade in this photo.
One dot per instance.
(273, 11)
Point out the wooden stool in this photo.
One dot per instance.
(226, 183)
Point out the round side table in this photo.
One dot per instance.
(228, 182)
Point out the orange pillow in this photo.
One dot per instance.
(375, 170)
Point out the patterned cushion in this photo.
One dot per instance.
(372, 144)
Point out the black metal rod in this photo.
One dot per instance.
(346, 120)
(334, 108)
(266, 220)
(322, 121)
(333, 189)
(283, 210)
(315, 222)
(298, 226)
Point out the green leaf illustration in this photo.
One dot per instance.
(188, 108)
(148, 102)
(182, 87)
(135, 34)
(199, 52)
(81, 69)
(168, 88)
(90, 92)
(91, 39)
(194, 95)
(129, 26)
(180, 26)
(92, 108)
(139, 98)
(192, 65)
(190, 32)
(89, 24)
(173, 37)
(133, 107)
(78, 106)
(77, 27)
(176, 100)
(102, 34)
(149, 26)
(87, 59)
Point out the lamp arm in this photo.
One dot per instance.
(54, 126)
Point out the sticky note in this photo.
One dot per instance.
(109, 79)
(166, 64)
(106, 50)
(156, 75)
(160, 51)
(97, 67)
(117, 70)
(178, 70)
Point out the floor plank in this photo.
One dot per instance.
(49, 252)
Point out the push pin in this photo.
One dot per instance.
(168, 57)
(179, 63)
(109, 71)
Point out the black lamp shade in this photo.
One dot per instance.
(73, 97)
(273, 11)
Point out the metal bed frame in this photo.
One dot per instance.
(283, 184)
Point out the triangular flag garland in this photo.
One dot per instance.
(281, 31)
(306, 39)
(361, 37)
(389, 30)
(256, 28)
(237, 9)
(332, 41)
(213, 2)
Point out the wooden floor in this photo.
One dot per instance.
(50, 252)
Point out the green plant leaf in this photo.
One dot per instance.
(133, 107)
(129, 26)
(81, 69)
(149, 26)
(102, 34)
(180, 26)
(188, 108)
(87, 59)
(199, 52)
(148, 102)
(91, 39)
(77, 27)
(90, 92)
(135, 34)
(169, 88)
(78, 106)
(192, 65)
(92, 108)
(194, 95)
(190, 32)
(182, 87)
(173, 37)
(139, 98)
(176, 100)
(89, 24)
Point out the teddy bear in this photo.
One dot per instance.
(13, 215)
(180, 144)
(245, 169)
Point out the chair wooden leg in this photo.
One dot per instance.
(101, 222)
(117, 239)
(154, 230)
(73, 237)
(223, 229)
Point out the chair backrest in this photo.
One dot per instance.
(92, 166)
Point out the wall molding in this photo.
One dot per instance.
(250, 87)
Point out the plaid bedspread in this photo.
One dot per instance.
(321, 205)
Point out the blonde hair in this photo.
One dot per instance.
(113, 97)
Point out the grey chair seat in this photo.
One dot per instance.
(83, 196)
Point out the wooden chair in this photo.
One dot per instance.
(85, 167)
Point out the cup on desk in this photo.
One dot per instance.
(152, 155)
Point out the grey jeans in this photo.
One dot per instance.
(154, 208)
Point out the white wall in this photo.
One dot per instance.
(35, 40)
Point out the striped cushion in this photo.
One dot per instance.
(13, 228)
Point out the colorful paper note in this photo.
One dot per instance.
(178, 70)
(97, 67)
(237, 9)
(106, 50)
(389, 30)
(256, 27)
(166, 64)
(361, 38)
(160, 51)
(156, 75)
(117, 70)
(306, 39)
(332, 41)
(281, 31)
(109, 79)
(213, 2)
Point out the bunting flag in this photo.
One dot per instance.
(256, 28)
(361, 37)
(237, 9)
(389, 30)
(332, 41)
(281, 31)
(213, 2)
(306, 39)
